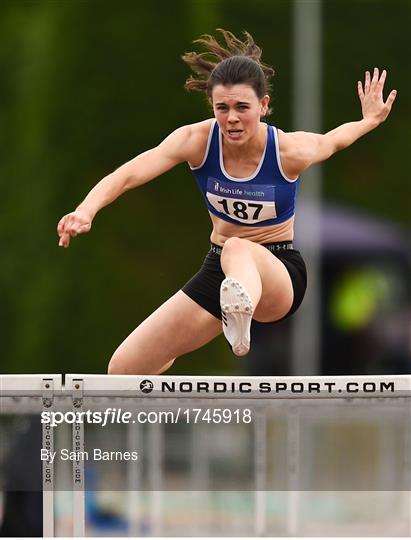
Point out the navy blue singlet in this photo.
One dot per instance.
(267, 197)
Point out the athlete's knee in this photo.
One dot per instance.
(117, 366)
(234, 246)
(121, 365)
(165, 367)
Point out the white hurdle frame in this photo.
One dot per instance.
(78, 387)
(45, 387)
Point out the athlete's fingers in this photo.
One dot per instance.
(381, 82)
(66, 224)
(367, 82)
(360, 90)
(61, 225)
(72, 227)
(87, 227)
(64, 240)
(77, 228)
(375, 76)
(391, 99)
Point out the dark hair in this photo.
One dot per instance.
(238, 63)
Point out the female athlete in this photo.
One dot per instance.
(248, 173)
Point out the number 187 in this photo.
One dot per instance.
(240, 209)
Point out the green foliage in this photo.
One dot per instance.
(373, 174)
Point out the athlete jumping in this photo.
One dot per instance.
(248, 172)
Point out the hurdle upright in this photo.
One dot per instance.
(26, 394)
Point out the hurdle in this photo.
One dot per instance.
(28, 393)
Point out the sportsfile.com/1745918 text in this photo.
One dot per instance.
(193, 415)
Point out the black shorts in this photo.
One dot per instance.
(204, 287)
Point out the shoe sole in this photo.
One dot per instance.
(237, 310)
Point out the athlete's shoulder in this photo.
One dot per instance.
(292, 139)
(199, 136)
(295, 150)
(196, 131)
(201, 129)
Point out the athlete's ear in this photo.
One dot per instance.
(264, 105)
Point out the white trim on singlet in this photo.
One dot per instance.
(277, 151)
(220, 149)
(210, 135)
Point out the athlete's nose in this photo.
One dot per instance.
(232, 117)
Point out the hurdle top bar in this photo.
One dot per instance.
(373, 386)
(365, 386)
(30, 385)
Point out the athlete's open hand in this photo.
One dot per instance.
(72, 224)
(372, 99)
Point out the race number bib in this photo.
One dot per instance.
(244, 203)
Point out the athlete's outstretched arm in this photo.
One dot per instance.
(138, 171)
(305, 149)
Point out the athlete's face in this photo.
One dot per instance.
(238, 111)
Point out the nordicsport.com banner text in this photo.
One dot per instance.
(278, 388)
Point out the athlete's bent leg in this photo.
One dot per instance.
(263, 276)
(257, 285)
(177, 327)
(237, 261)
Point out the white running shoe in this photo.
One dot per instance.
(237, 312)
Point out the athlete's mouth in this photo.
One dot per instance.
(234, 131)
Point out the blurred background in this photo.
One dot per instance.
(87, 85)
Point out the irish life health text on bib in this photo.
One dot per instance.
(245, 203)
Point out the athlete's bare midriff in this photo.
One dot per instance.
(222, 230)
